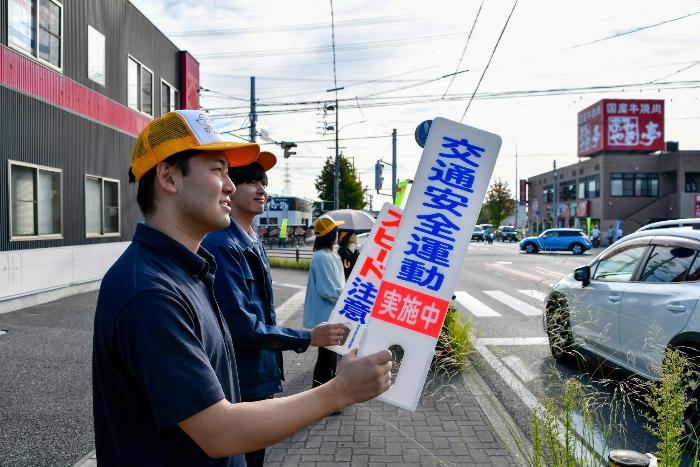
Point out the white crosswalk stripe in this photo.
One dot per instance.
(516, 304)
(474, 306)
(536, 294)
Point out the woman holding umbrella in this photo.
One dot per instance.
(326, 281)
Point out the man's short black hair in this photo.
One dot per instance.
(325, 241)
(145, 196)
(252, 172)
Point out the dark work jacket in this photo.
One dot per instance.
(243, 289)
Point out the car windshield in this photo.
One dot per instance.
(478, 228)
(508, 229)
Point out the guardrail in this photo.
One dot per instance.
(290, 253)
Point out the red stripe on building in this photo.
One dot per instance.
(26, 75)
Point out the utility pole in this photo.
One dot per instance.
(253, 116)
(517, 185)
(393, 165)
(336, 177)
(555, 188)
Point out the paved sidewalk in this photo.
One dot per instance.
(449, 427)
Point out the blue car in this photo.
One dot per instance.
(573, 240)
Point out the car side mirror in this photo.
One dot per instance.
(583, 275)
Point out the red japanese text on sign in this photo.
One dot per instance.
(410, 309)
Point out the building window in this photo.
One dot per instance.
(36, 27)
(692, 182)
(634, 184)
(96, 56)
(140, 87)
(567, 191)
(35, 202)
(547, 194)
(589, 187)
(101, 206)
(169, 98)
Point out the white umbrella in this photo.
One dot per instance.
(355, 220)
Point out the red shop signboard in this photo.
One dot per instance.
(621, 125)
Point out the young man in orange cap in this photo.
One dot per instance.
(243, 288)
(165, 385)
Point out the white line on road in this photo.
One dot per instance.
(529, 399)
(287, 309)
(3, 332)
(536, 294)
(516, 304)
(473, 305)
(290, 286)
(504, 262)
(519, 368)
(513, 341)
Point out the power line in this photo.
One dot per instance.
(353, 46)
(459, 63)
(489, 62)
(631, 31)
(297, 27)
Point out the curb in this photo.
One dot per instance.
(503, 425)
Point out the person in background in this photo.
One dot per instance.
(243, 290)
(611, 235)
(347, 255)
(618, 232)
(326, 281)
(595, 235)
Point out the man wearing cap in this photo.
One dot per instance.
(165, 384)
(243, 289)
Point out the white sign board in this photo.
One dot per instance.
(355, 303)
(437, 224)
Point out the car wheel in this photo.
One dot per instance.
(558, 327)
(530, 248)
(577, 249)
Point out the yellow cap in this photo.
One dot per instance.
(180, 131)
(325, 224)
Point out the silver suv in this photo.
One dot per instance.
(638, 298)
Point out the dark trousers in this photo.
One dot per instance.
(255, 458)
(326, 363)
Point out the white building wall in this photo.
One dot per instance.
(31, 277)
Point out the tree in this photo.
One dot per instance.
(351, 192)
(499, 202)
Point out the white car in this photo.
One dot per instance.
(638, 298)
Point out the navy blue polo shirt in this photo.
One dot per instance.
(161, 353)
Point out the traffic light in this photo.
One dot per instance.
(287, 146)
(378, 179)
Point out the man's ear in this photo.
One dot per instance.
(166, 175)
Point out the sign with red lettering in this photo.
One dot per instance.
(697, 205)
(523, 192)
(621, 125)
(410, 309)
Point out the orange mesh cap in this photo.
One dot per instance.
(182, 130)
(325, 224)
(267, 160)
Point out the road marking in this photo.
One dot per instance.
(290, 286)
(506, 341)
(529, 399)
(504, 262)
(484, 249)
(548, 272)
(290, 306)
(515, 303)
(514, 272)
(473, 305)
(536, 294)
(519, 368)
(3, 332)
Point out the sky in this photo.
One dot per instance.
(401, 63)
